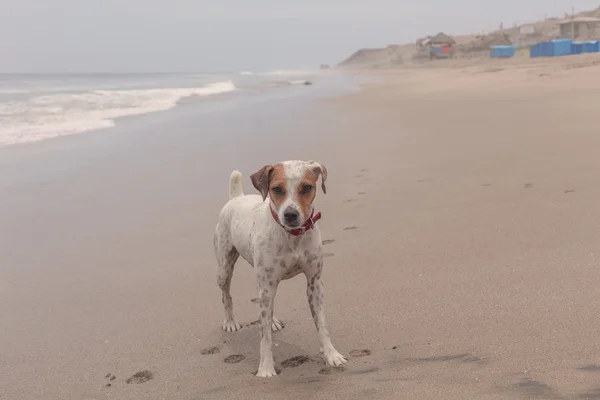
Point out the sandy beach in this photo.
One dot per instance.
(461, 226)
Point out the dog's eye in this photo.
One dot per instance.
(306, 188)
(278, 190)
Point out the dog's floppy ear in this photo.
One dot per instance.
(319, 170)
(261, 179)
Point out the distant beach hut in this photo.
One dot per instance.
(441, 46)
(502, 51)
(591, 46)
(552, 48)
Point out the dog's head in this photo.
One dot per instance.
(292, 187)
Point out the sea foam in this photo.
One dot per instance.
(52, 115)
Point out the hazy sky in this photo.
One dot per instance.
(210, 35)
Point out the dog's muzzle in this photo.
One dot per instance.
(306, 226)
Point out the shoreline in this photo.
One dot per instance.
(71, 104)
(186, 108)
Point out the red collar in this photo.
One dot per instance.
(308, 225)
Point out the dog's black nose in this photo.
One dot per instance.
(290, 216)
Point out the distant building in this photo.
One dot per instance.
(583, 27)
(441, 39)
(527, 30)
(441, 46)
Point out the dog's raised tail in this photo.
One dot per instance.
(235, 185)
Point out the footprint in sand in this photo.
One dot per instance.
(350, 228)
(332, 370)
(295, 361)
(234, 359)
(535, 389)
(569, 191)
(254, 300)
(361, 193)
(111, 378)
(328, 241)
(360, 353)
(590, 368)
(528, 185)
(210, 350)
(141, 377)
(366, 371)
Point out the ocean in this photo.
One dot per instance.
(40, 107)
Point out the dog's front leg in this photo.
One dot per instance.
(277, 324)
(316, 297)
(266, 297)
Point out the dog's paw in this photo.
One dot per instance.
(277, 325)
(334, 358)
(231, 326)
(266, 372)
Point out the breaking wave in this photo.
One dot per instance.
(46, 116)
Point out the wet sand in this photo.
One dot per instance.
(461, 226)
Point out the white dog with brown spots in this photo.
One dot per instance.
(276, 234)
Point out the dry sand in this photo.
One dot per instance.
(462, 223)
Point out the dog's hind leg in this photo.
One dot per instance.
(227, 255)
(277, 325)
